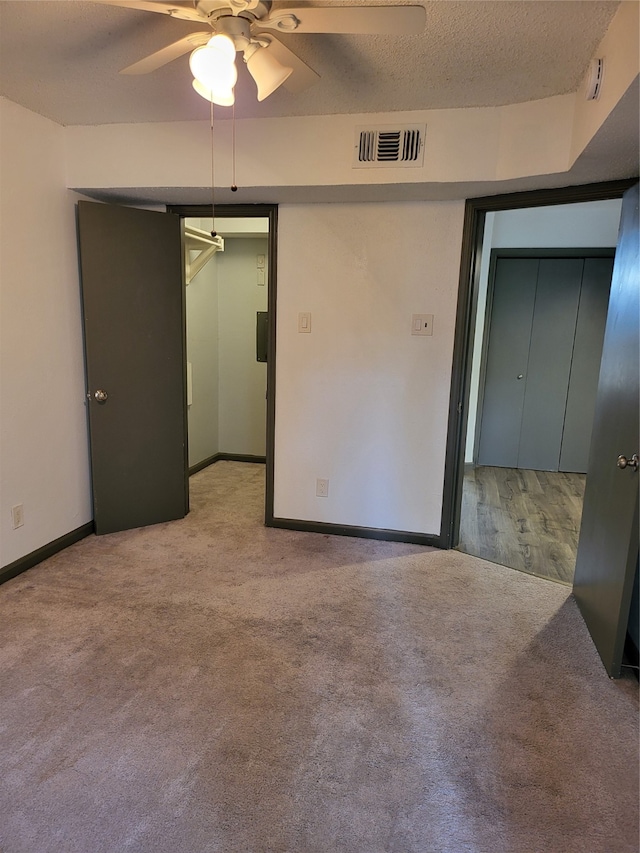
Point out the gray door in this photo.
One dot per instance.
(608, 546)
(547, 378)
(133, 311)
(514, 295)
(585, 364)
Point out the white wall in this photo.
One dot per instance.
(202, 354)
(43, 432)
(620, 50)
(586, 225)
(361, 401)
(243, 380)
(477, 144)
(481, 307)
(242, 226)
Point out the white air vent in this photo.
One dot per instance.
(400, 147)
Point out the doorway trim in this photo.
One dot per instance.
(470, 260)
(270, 212)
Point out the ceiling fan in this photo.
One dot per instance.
(250, 27)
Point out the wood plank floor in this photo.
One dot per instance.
(527, 520)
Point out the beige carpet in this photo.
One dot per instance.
(213, 686)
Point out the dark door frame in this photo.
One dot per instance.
(270, 212)
(471, 257)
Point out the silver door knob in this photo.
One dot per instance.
(101, 396)
(633, 463)
(520, 376)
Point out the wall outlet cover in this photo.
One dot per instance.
(17, 516)
(322, 488)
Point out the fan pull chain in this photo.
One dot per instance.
(234, 188)
(213, 202)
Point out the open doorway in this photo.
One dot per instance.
(230, 286)
(521, 514)
(226, 304)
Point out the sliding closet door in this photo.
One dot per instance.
(543, 355)
(585, 367)
(507, 357)
(551, 348)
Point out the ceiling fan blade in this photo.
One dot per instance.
(303, 76)
(180, 9)
(168, 53)
(363, 20)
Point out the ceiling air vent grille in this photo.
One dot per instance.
(389, 146)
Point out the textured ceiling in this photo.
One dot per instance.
(60, 58)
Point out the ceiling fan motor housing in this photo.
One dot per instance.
(251, 9)
(237, 28)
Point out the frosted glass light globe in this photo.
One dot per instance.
(214, 64)
(224, 44)
(222, 97)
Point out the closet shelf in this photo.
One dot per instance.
(206, 246)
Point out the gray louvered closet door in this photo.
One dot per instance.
(543, 356)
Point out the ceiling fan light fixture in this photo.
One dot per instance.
(214, 63)
(220, 96)
(265, 69)
(224, 43)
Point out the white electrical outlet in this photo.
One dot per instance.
(17, 516)
(322, 488)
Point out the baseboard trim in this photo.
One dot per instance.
(352, 530)
(200, 466)
(29, 560)
(225, 457)
(240, 457)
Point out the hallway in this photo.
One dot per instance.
(526, 520)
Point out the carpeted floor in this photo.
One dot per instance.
(213, 686)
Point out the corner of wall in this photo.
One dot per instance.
(620, 50)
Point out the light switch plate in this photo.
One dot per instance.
(260, 261)
(304, 322)
(422, 324)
